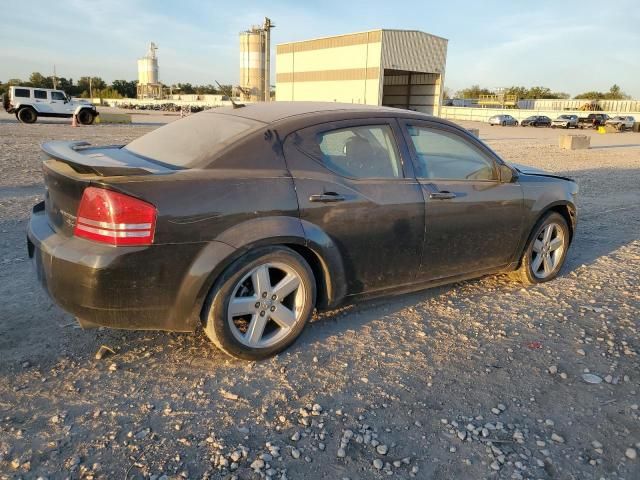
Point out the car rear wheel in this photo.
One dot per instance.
(545, 252)
(261, 303)
(504, 123)
(27, 115)
(85, 117)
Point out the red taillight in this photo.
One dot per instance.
(115, 218)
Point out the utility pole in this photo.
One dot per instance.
(55, 78)
(91, 88)
(267, 58)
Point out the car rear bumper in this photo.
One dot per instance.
(139, 288)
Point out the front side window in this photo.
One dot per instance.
(446, 156)
(22, 93)
(40, 94)
(58, 96)
(361, 152)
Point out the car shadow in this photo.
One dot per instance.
(627, 145)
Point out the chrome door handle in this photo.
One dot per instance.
(328, 197)
(442, 195)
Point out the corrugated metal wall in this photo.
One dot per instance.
(414, 51)
(417, 91)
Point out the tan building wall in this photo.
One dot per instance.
(336, 69)
(358, 68)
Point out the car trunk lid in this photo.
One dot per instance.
(70, 167)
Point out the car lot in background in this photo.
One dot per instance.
(536, 121)
(622, 122)
(565, 121)
(593, 120)
(504, 120)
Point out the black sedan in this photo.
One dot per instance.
(536, 121)
(245, 220)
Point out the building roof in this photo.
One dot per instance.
(364, 32)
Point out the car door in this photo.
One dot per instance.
(59, 103)
(41, 101)
(355, 182)
(473, 220)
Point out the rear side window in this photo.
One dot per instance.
(40, 94)
(22, 93)
(57, 96)
(361, 152)
(446, 156)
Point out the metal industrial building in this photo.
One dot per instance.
(397, 68)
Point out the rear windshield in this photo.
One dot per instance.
(192, 140)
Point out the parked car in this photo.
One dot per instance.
(593, 120)
(536, 121)
(503, 120)
(29, 103)
(565, 121)
(621, 122)
(282, 208)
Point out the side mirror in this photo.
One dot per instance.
(507, 174)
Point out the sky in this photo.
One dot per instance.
(566, 45)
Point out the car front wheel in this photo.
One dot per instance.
(261, 303)
(85, 117)
(546, 250)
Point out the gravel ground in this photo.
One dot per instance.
(481, 379)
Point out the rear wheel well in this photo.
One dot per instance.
(319, 272)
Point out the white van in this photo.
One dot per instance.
(29, 103)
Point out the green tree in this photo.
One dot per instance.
(185, 88)
(88, 84)
(125, 88)
(474, 92)
(36, 79)
(614, 93)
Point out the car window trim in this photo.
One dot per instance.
(463, 135)
(311, 132)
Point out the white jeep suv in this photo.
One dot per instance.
(29, 103)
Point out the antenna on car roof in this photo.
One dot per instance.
(230, 95)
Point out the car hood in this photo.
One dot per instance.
(562, 120)
(526, 170)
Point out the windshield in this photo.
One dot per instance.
(564, 117)
(191, 140)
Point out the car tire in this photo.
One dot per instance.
(515, 124)
(86, 117)
(27, 115)
(533, 258)
(504, 123)
(553, 126)
(272, 332)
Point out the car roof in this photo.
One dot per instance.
(270, 112)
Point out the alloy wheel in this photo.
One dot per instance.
(548, 250)
(266, 304)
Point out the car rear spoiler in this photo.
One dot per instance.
(112, 160)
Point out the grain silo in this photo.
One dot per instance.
(148, 84)
(255, 62)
